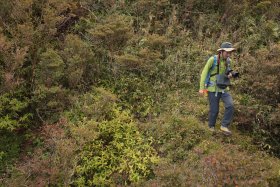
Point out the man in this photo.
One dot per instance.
(215, 66)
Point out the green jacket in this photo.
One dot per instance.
(212, 87)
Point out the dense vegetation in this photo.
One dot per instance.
(105, 93)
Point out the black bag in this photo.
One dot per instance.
(222, 81)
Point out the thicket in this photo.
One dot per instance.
(106, 72)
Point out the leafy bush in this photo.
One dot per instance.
(136, 95)
(77, 56)
(13, 112)
(49, 97)
(118, 154)
(261, 106)
(50, 102)
(111, 149)
(49, 160)
(211, 164)
(98, 105)
(112, 33)
(176, 136)
(10, 147)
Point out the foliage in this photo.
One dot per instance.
(9, 149)
(51, 153)
(49, 96)
(177, 135)
(98, 105)
(118, 153)
(209, 164)
(136, 95)
(112, 33)
(112, 148)
(93, 61)
(265, 89)
(50, 102)
(13, 113)
(50, 70)
(77, 56)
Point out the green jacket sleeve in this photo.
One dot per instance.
(204, 73)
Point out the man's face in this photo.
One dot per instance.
(226, 54)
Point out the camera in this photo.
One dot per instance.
(234, 74)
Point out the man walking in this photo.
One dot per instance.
(217, 70)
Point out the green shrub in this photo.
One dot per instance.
(49, 97)
(10, 147)
(260, 107)
(118, 154)
(112, 150)
(136, 94)
(50, 70)
(212, 164)
(98, 104)
(176, 136)
(77, 55)
(13, 112)
(112, 33)
(50, 102)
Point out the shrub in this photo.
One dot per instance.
(10, 147)
(112, 33)
(77, 56)
(98, 105)
(111, 149)
(49, 161)
(176, 136)
(13, 112)
(263, 88)
(118, 154)
(50, 102)
(136, 95)
(49, 96)
(211, 164)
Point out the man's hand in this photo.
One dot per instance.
(203, 92)
(230, 75)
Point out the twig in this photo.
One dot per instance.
(37, 112)
(195, 12)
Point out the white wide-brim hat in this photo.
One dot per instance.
(226, 46)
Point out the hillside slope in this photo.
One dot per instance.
(105, 93)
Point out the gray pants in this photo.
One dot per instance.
(214, 108)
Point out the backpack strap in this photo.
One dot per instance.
(218, 74)
(216, 63)
(207, 80)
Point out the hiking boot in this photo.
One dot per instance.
(211, 129)
(225, 130)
